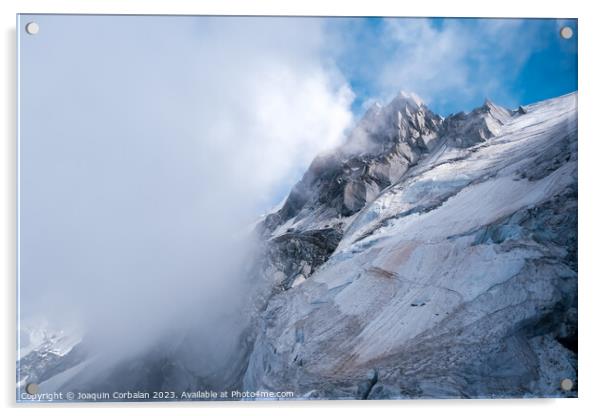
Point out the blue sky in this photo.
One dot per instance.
(146, 140)
(454, 64)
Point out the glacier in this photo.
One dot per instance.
(454, 277)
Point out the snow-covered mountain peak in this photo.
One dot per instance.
(378, 151)
(484, 122)
(405, 119)
(385, 143)
(40, 336)
(409, 98)
(398, 103)
(496, 111)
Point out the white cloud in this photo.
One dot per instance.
(453, 60)
(154, 144)
(273, 102)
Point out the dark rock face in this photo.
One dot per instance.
(481, 124)
(383, 146)
(298, 254)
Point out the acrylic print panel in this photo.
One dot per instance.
(261, 208)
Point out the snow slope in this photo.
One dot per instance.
(458, 280)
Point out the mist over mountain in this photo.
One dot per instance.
(425, 257)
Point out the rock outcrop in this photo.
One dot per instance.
(455, 276)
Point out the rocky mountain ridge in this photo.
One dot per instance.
(455, 275)
(426, 257)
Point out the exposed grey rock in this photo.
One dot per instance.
(457, 281)
(384, 145)
(300, 253)
(481, 124)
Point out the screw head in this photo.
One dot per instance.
(32, 28)
(566, 384)
(566, 32)
(31, 388)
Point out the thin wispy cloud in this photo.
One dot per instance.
(467, 59)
